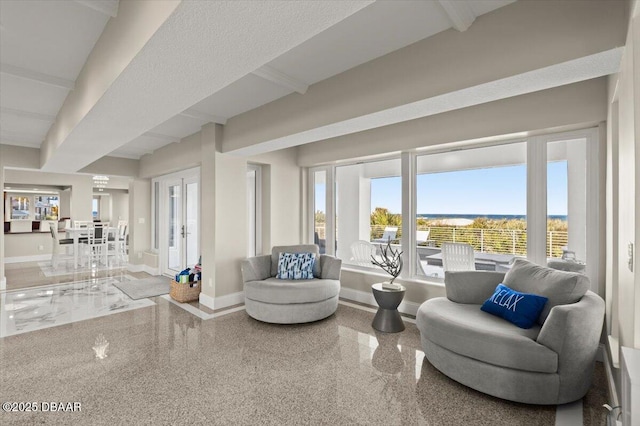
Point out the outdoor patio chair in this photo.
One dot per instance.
(422, 237)
(389, 234)
(458, 257)
(361, 252)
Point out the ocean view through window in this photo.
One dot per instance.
(525, 198)
(476, 197)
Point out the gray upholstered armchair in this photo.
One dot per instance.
(273, 300)
(550, 363)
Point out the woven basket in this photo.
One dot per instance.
(183, 292)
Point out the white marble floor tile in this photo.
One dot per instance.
(49, 306)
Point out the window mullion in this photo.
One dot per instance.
(537, 200)
(330, 216)
(408, 215)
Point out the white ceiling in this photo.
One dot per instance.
(44, 44)
(59, 35)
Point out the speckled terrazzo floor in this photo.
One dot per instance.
(165, 366)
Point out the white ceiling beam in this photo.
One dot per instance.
(460, 13)
(562, 74)
(27, 114)
(130, 156)
(160, 136)
(281, 79)
(106, 7)
(130, 152)
(192, 113)
(94, 123)
(36, 76)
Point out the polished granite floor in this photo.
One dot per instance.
(167, 366)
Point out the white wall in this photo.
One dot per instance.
(114, 205)
(223, 202)
(577, 197)
(65, 203)
(104, 207)
(27, 245)
(139, 220)
(281, 210)
(354, 208)
(230, 222)
(623, 211)
(81, 188)
(282, 199)
(119, 206)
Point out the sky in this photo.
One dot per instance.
(497, 190)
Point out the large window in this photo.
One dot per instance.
(476, 197)
(531, 199)
(369, 206)
(319, 183)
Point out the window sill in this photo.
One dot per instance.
(384, 276)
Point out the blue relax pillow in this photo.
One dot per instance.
(295, 266)
(521, 309)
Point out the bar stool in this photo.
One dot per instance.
(96, 244)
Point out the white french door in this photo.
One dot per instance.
(178, 226)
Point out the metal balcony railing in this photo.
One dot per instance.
(503, 241)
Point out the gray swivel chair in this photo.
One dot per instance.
(273, 300)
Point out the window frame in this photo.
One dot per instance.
(329, 207)
(536, 164)
(257, 168)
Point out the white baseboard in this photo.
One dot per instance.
(135, 268)
(222, 301)
(200, 314)
(19, 259)
(611, 384)
(405, 307)
(150, 270)
(614, 350)
(143, 268)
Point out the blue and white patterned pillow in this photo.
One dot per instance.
(295, 266)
